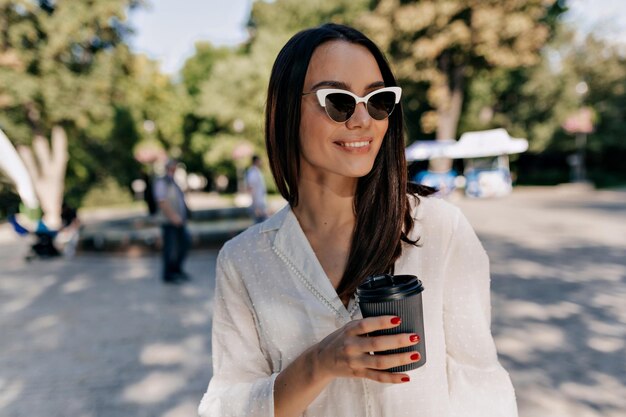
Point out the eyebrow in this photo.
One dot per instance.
(344, 86)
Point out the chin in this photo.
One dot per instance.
(358, 172)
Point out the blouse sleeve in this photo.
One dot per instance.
(478, 385)
(243, 383)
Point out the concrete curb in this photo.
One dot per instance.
(142, 233)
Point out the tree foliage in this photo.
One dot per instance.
(534, 102)
(198, 67)
(232, 97)
(463, 65)
(67, 63)
(437, 46)
(60, 63)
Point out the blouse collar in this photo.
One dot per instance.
(292, 246)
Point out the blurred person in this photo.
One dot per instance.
(174, 214)
(44, 246)
(288, 335)
(255, 184)
(70, 230)
(148, 193)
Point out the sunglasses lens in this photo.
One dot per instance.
(340, 106)
(380, 105)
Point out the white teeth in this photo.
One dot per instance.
(355, 144)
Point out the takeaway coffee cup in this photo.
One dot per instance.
(396, 295)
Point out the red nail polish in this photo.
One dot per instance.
(414, 338)
(415, 357)
(406, 379)
(396, 320)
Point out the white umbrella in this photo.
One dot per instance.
(485, 143)
(12, 165)
(423, 150)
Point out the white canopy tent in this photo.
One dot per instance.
(423, 150)
(479, 144)
(486, 169)
(486, 143)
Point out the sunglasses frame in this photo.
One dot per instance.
(323, 92)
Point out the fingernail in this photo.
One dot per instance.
(406, 379)
(415, 357)
(414, 338)
(396, 320)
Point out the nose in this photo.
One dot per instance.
(360, 118)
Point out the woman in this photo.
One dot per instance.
(288, 337)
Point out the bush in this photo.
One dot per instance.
(107, 193)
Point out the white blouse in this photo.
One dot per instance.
(273, 301)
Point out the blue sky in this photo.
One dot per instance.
(168, 29)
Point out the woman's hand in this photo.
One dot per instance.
(346, 352)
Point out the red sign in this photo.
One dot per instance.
(580, 122)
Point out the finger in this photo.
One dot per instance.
(387, 342)
(386, 377)
(383, 362)
(371, 324)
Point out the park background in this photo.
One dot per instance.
(464, 66)
(97, 335)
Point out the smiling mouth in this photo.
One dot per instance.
(361, 144)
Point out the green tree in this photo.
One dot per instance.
(60, 64)
(534, 103)
(232, 96)
(58, 61)
(199, 128)
(600, 68)
(198, 68)
(437, 46)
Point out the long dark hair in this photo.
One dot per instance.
(381, 204)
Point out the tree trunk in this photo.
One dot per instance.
(449, 113)
(48, 175)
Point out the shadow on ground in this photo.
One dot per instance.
(101, 336)
(560, 324)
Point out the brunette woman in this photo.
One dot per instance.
(288, 337)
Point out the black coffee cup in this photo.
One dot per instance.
(396, 295)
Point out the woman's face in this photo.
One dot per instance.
(330, 149)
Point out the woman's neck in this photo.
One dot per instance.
(326, 215)
(324, 206)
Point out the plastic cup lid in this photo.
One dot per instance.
(388, 287)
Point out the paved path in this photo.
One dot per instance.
(99, 336)
(558, 261)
